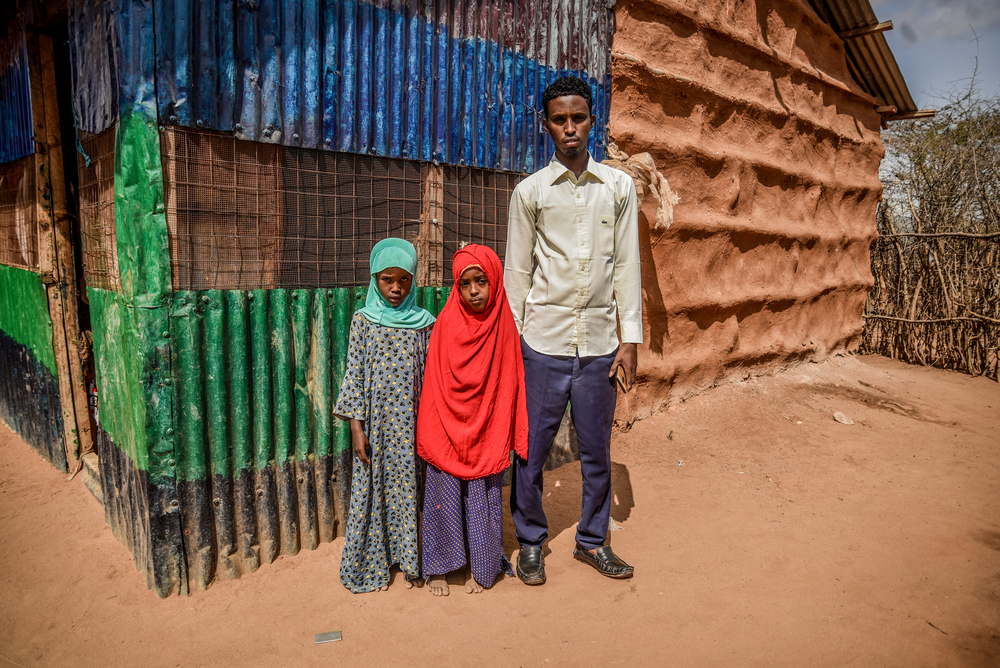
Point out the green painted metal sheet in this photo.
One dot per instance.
(257, 374)
(263, 467)
(140, 222)
(133, 353)
(24, 313)
(117, 362)
(225, 401)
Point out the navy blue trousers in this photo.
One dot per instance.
(550, 382)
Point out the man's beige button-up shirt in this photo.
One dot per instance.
(583, 237)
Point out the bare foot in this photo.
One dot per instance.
(410, 582)
(438, 585)
(471, 586)
(383, 588)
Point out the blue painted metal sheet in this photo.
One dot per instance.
(136, 56)
(17, 129)
(452, 81)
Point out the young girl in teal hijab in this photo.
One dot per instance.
(385, 370)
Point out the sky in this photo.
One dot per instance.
(934, 42)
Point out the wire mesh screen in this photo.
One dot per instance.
(96, 168)
(18, 222)
(475, 210)
(337, 206)
(247, 215)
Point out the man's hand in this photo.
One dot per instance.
(360, 441)
(627, 358)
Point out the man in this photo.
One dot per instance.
(572, 264)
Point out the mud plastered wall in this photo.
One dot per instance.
(750, 112)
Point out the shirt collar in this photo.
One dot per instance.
(557, 169)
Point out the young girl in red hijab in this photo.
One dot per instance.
(472, 414)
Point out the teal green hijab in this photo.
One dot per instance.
(400, 253)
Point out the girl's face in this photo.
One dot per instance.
(394, 284)
(474, 288)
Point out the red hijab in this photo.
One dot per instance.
(472, 408)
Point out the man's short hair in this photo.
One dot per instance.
(567, 86)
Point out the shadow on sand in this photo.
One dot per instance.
(562, 494)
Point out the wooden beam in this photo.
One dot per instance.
(430, 240)
(886, 110)
(55, 249)
(906, 115)
(868, 30)
(43, 195)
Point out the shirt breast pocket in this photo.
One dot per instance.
(606, 231)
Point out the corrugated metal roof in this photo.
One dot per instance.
(869, 55)
(17, 129)
(450, 81)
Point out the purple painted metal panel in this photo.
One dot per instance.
(17, 129)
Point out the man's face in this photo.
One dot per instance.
(568, 122)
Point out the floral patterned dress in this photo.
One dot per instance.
(381, 387)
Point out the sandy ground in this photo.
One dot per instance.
(763, 532)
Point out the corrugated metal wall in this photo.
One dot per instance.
(262, 467)
(217, 446)
(17, 129)
(450, 81)
(29, 377)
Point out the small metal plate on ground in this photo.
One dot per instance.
(329, 636)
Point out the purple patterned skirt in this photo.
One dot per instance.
(456, 511)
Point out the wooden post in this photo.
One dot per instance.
(430, 241)
(55, 250)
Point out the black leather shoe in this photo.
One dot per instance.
(605, 561)
(531, 566)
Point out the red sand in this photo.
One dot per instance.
(785, 539)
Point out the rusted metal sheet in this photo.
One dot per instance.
(94, 64)
(449, 81)
(17, 128)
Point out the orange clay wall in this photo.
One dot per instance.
(750, 112)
